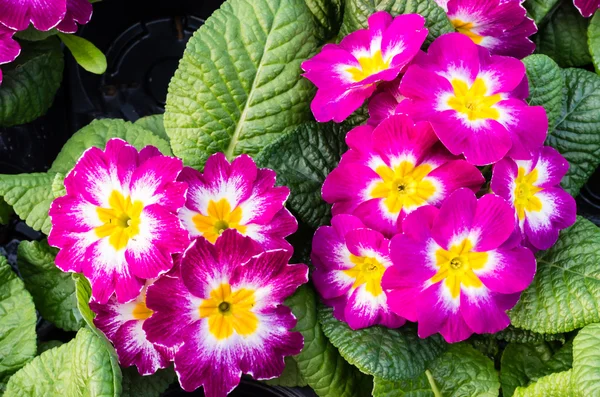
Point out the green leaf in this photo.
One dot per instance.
(97, 133)
(554, 385)
(539, 9)
(302, 159)
(53, 290)
(577, 134)
(82, 367)
(546, 83)
(32, 34)
(238, 85)
(83, 293)
(87, 55)
(319, 362)
(135, 385)
(154, 124)
(525, 363)
(327, 15)
(564, 37)
(565, 293)
(417, 387)
(291, 376)
(45, 346)
(594, 40)
(30, 82)
(357, 12)
(6, 212)
(392, 354)
(58, 185)
(17, 323)
(586, 360)
(30, 195)
(512, 334)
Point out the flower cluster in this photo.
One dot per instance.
(17, 15)
(185, 267)
(415, 235)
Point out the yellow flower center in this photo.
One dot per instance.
(466, 29)
(455, 267)
(220, 218)
(366, 270)
(229, 312)
(141, 311)
(121, 221)
(403, 186)
(369, 66)
(525, 193)
(473, 101)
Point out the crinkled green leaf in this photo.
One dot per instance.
(83, 293)
(564, 37)
(30, 82)
(58, 185)
(525, 363)
(53, 290)
(97, 133)
(554, 385)
(135, 385)
(291, 376)
(546, 82)
(6, 212)
(17, 323)
(302, 159)
(154, 124)
(594, 40)
(82, 367)
(238, 86)
(539, 9)
(86, 54)
(319, 363)
(30, 195)
(565, 293)
(512, 334)
(586, 360)
(32, 34)
(327, 15)
(577, 134)
(416, 387)
(392, 354)
(357, 12)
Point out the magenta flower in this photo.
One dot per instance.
(587, 7)
(384, 102)
(349, 261)
(498, 25)
(9, 48)
(346, 74)
(43, 14)
(543, 208)
(78, 12)
(227, 310)
(392, 170)
(122, 323)
(237, 196)
(474, 101)
(118, 222)
(455, 269)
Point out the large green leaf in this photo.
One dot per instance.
(53, 290)
(539, 9)
(327, 15)
(154, 124)
(565, 293)
(357, 12)
(564, 37)
(30, 82)
(135, 385)
(577, 133)
(86, 54)
(17, 323)
(302, 159)
(512, 334)
(238, 85)
(391, 354)
(419, 386)
(291, 376)
(546, 82)
(594, 40)
(554, 385)
(586, 360)
(82, 367)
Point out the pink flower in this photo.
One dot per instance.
(474, 101)
(9, 48)
(392, 170)
(456, 270)
(43, 14)
(118, 222)
(78, 12)
(237, 196)
(384, 102)
(346, 74)
(498, 25)
(122, 323)
(587, 7)
(532, 187)
(349, 261)
(226, 311)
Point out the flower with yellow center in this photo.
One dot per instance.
(229, 311)
(141, 311)
(525, 193)
(121, 221)
(220, 218)
(403, 186)
(466, 28)
(368, 271)
(455, 267)
(369, 66)
(474, 101)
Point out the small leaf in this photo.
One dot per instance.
(554, 385)
(392, 354)
(87, 55)
(565, 293)
(30, 82)
(594, 40)
(83, 293)
(53, 290)
(6, 212)
(539, 9)
(155, 124)
(546, 83)
(136, 385)
(586, 360)
(302, 159)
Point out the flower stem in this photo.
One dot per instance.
(434, 388)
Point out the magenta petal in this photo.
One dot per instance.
(411, 263)
(43, 14)
(528, 127)
(432, 313)
(455, 217)
(504, 174)
(494, 222)
(359, 240)
(338, 105)
(587, 7)
(418, 224)
(510, 271)
(456, 174)
(482, 314)
(551, 166)
(456, 50)
(9, 48)
(402, 301)
(78, 12)
(134, 349)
